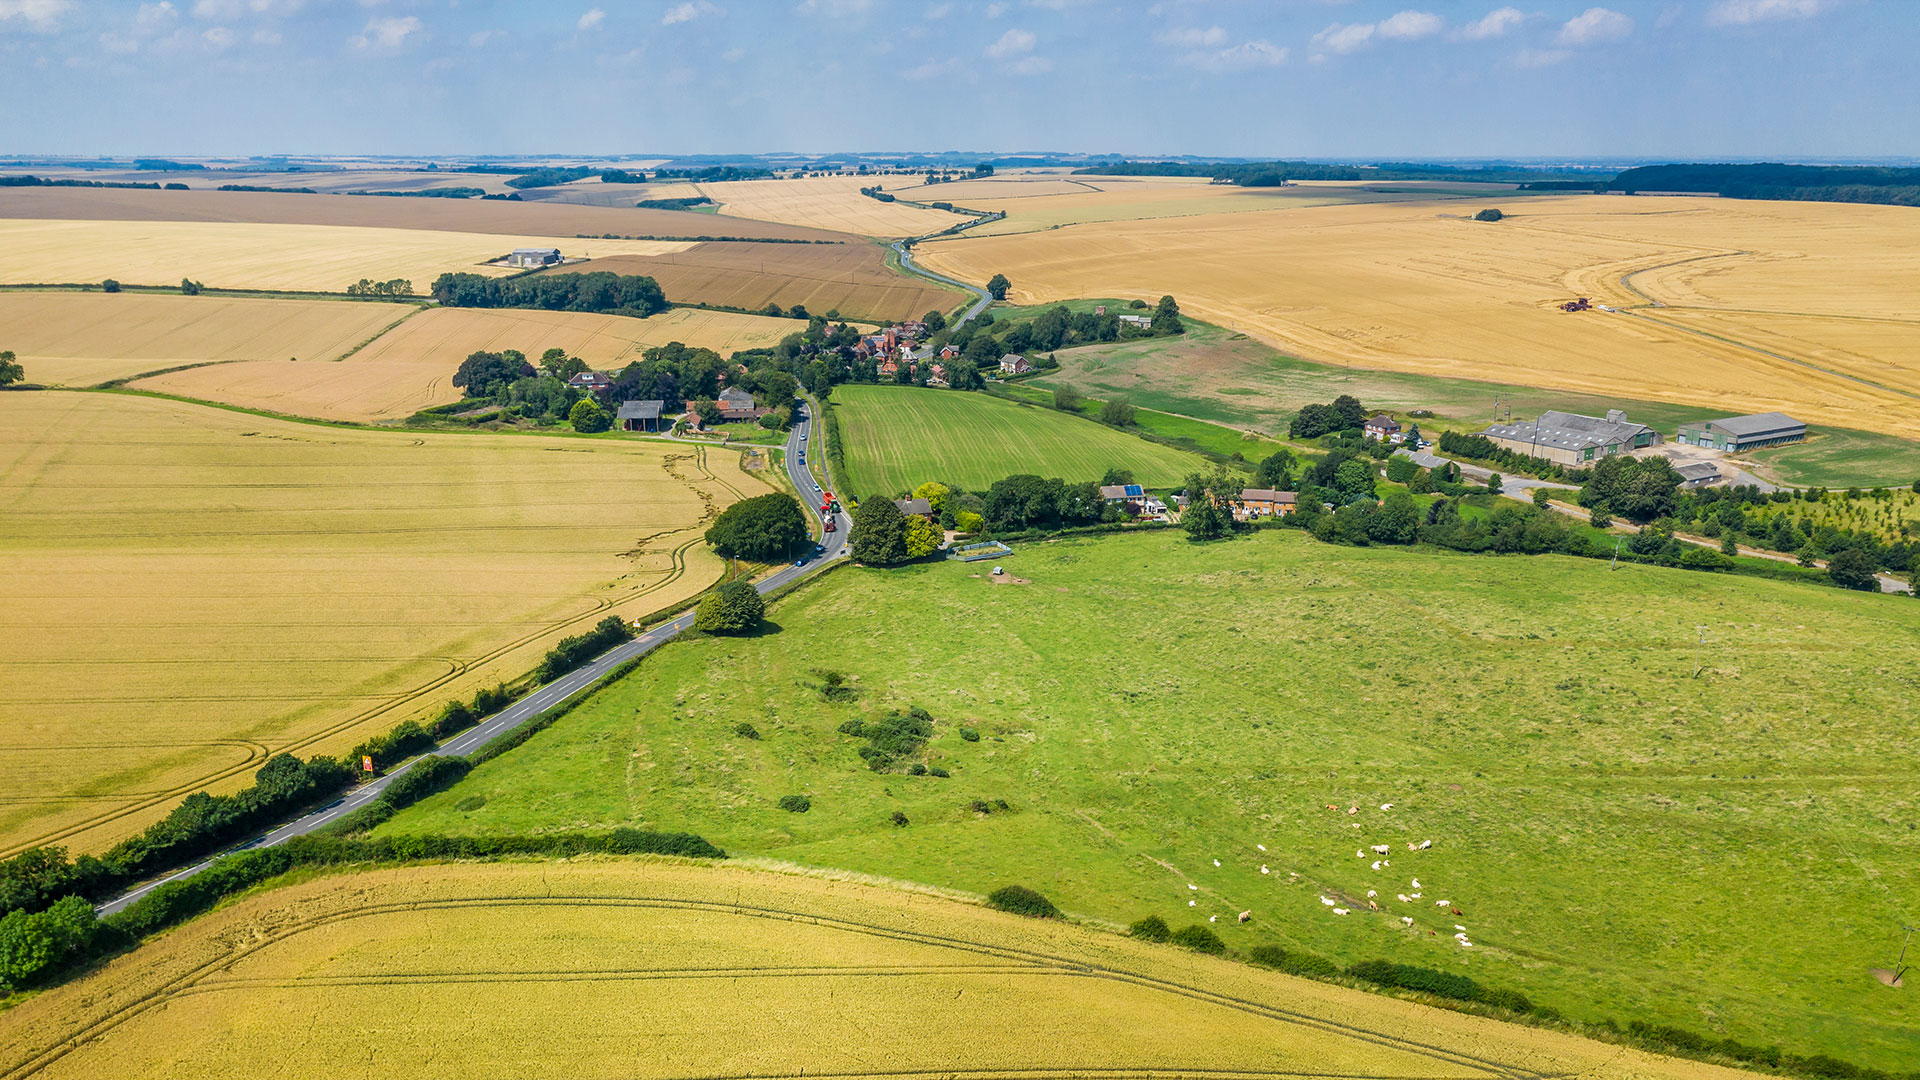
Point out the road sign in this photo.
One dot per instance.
(366, 762)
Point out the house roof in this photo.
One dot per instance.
(736, 397)
(1567, 431)
(1757, 424)
(535, 251)
(640, 410)
(1382, 420)
(1012, 358)
(914, 506)
(1698, 470)
(1421, 458)
(1266, 495)
(1122, 491)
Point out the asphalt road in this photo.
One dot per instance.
(901, 249)
(803, 441)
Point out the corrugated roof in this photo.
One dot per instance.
(1757, 424)
(641, 410)
(1567, 431)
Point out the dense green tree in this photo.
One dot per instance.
(1117, 476)
(1540, 497)
(600, 291)
(1353, 478)
(765, 528)
(1276, 470)
(588, 417)
(110, 285)
(1209, 511)
(190, 287)
(1397, 521)
(557, 364)
(10, 370)
(1489, 214)
(487, 374)
(922, 538)
(1117, 413)
(1494, 484)
(1852, 568)
(935, 320)
(1066, 400)
(1640, 489)
(997, 286)
(1401, 470)
(735, 607)
(1166, 317)
(33, 943)
(935, 493)
(879, 533)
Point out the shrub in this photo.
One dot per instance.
(1021, 900)
(765, 528)
(576, 651)
(589, 418)
(969, 735)
(734, 608)
(940, 772)
(916, 769)
(428, 775)
(834, 686)
(109, 285)
(893, 737)
(899, 819)
(1425, 980)
(795, 804)
(1306, 965)
(746, 730)
(1489, 214)
(32, 944)
(1151, 928)
(1512, 1000)
(1199, 938)
(981, 806)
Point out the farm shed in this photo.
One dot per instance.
(1743, 432)
(1698, 474)
(1573, 439)
(533, 258)
(640, 415)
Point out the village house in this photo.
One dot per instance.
(1264, 502)
(1384, 428)
(915, 508)
(1014, 364)
(640, 415)
(591, 382)
(937, 376)
(888, 367)
(1130, 497)
(949, 352)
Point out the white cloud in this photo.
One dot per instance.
(1343, 37)
(734, 55)
(687, 12)
(1595, 26)
(937, 11)
(386, 33)
(234, 9)
(217, 36)
(592, 19)
(1496, 23)
(37, 14)
(481, 38)
(1031, 65)
(994, 11)
(1211, 38)
(118, 43)
(1012, 43)
(1410, 25)
(837, 9)
(1258, 53)
(266, 37)
(1538, 58)
(1744, 12)
(153, 17)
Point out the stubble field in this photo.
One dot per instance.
(655, 969)
(82, 339)
(186, 590)
(1728, 853)
(411, 367)
(899, 437)
(852, 278)
(225, 255)
(829, 202)
(1416, 287)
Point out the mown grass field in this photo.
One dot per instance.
(1728, 853)
(185, 590)
(630, 968)
(81, 339)
(898, 437)
(1837, 459)
(411, 366)
(244, 255)
(1417, 287)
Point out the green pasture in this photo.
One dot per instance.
(1633, 822)
(898, 437)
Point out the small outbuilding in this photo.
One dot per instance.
(1695, 474)
(640, 415)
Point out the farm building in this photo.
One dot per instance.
(640, 415)
(1014, 364)
(533, 258)
(1384, 428)
(1572, 439)
(1265, 502)
(736, 404)
(1143, 322)
(1698, 474)
(1743, 432)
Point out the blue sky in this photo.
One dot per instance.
(1268, 78)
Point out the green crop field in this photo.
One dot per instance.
(1198, 731)
(896, 438)
(1223, 377)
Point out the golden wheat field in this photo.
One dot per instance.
(411, 367)
(185, 590)
(829, 202)
(1418, 287)
(653, 968)
(852, 278)
(250, 255)
(81, 339)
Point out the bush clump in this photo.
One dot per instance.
(1021, 900)
(795, 804)
(969, 735)
(1425, 980)
(1304, 964)
(746, 730)
(1199, 938)
(940, 772)
(577, 651)
(899, 819)
(1151, 928)
(893, 737)
(916, 769)
(734, 608)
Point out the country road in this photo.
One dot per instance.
(904, 249)
(803, 440)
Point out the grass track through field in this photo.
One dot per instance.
(897, 438)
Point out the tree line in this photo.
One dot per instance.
(599, 291)
(1807, 183)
